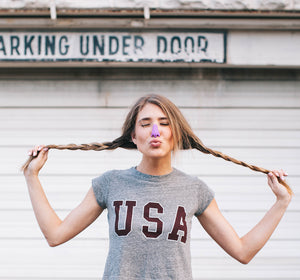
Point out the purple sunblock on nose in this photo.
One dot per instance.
(155, 132)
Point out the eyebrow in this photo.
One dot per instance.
(149, 119)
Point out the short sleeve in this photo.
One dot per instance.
(99, 186)
(205, 196)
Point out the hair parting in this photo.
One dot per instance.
(183, 135)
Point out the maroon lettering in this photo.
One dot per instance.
(130, 205)
(180, 224)
(159, 223)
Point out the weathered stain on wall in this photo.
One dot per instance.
(274, 5)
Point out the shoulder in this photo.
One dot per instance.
(194, 183)
(103, 184)
(190, 179)
(112, 175)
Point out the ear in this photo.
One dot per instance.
(133, 137)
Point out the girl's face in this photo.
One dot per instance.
(150, 146)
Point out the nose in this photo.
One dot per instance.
(155, 132)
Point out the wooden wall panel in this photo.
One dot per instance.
(257, 121)
(114, 92)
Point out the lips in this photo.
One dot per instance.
(155, 143)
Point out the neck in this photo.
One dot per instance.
(155, 167)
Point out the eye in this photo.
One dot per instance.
(145, 124)
(165, 123)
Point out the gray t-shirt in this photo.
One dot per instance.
(150, 222)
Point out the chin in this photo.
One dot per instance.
(158, 154)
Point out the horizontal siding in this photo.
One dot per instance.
(21, 224)
(254, 198)
(254, 121)
(120, 93)
(108, 118)
(213, 138)
(70, 259)
(193, 161)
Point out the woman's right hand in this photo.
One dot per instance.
(40, 156)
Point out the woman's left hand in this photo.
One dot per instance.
(279, 190)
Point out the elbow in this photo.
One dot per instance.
(52, 243)
(245, 253)
(54, 238)
(244, 258)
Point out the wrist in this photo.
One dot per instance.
(29, 174)
(284, 201)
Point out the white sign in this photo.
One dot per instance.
(113, 46)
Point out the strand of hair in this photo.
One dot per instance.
(252, 167)
(119, 143)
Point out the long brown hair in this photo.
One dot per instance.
(183, 136)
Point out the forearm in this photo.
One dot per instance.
(245, 248)
(45, 215)
(254, 240)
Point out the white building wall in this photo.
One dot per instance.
(251, 115)
(252, 118)
(261, 48)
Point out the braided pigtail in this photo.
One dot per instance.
(120, 142)
(197, 144)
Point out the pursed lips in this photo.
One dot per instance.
(155, 142)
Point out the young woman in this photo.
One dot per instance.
(150, 206)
